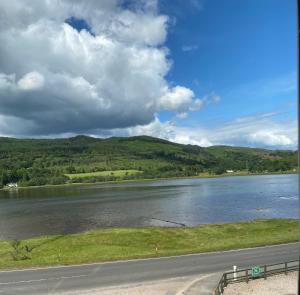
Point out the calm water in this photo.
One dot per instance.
(40, 211)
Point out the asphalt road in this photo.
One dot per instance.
(69, 278)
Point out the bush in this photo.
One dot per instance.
(20, 252)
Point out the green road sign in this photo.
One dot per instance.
(255, 271)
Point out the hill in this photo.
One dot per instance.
(87, 159)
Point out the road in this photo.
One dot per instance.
(53, 280)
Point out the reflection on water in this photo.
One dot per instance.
(58, 210)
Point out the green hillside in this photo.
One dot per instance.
(33, 162)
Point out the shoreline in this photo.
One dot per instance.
(146, 180)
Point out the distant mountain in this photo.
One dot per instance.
(47, 161)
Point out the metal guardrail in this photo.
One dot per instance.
(244, 275)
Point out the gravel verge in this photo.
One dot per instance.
(275, 285)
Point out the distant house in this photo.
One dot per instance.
(12, 185)
(229, 171)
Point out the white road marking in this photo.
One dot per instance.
(40, 280)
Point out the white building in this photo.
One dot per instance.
(12, 184)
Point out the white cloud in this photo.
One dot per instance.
(183, 115)
(211, 98)
(254, 131)
(31, 81)
(56, 80)
(189, 47)
(180, 99)
(270, 137)
(7, 81)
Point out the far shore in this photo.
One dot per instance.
(204, 175)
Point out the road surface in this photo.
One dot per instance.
(54, 280)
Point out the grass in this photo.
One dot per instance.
(116, 173)
(128, 243)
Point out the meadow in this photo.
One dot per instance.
(129, 243)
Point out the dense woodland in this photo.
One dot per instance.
(31, 162)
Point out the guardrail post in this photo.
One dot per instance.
(265, 272)
(247, 278)
(285, 264)
(225, 280)
(234, 274)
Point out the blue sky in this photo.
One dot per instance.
(203, 72)
(245, 51)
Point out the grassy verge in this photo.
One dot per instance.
(128, 243)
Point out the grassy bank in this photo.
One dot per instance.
(128, 243)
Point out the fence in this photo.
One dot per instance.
(246, 274)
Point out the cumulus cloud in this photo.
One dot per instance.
(255, 131)
(180, 99)
(110, 78)
(31, 81)
(55, 79)
(270, 137)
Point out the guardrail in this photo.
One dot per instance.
(262, 271)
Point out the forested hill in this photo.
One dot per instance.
(87, 159)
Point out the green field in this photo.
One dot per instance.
(116, 173)
(128, 243)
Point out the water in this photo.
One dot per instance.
(60, 210)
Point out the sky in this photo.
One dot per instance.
(203, 72)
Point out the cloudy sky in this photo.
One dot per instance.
(198, 72)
